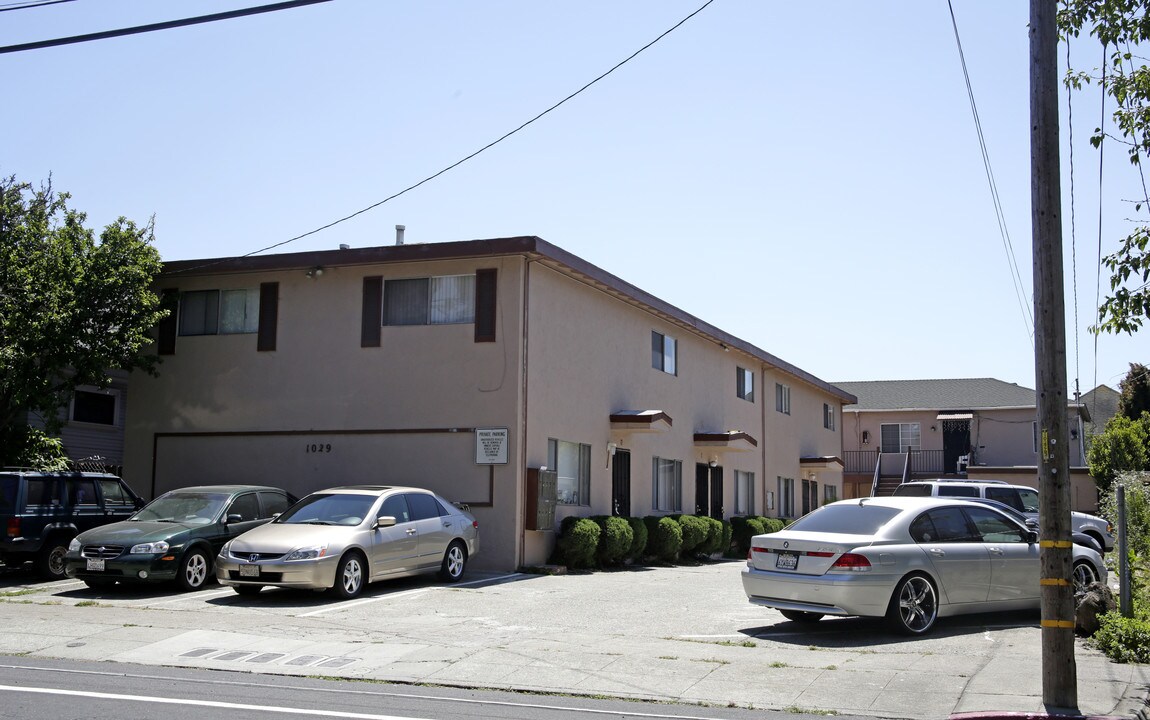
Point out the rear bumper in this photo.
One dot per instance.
(863, 594)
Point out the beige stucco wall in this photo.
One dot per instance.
(324, 389)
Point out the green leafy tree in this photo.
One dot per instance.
(1123, 446)
(1134, 392)
(1120, 26)
(71, 308)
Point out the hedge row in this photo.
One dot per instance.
(605, 541)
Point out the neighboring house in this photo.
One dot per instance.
(466, 367)
(1102, 404)
(93, 428)
(978, 428)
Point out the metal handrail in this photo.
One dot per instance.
(906, 468)
(877, 474)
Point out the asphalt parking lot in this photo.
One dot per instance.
(683, 633)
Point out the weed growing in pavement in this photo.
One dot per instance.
(831, 667)
(732, 643)
(803, 711)
(777, 664)
(16, 593)
(668, 657)
(87, 603)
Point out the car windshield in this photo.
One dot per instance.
(849, 519)
(195, 508)
(329, 509)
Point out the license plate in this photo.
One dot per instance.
(787, 560)
(96, 564)
(249, 570)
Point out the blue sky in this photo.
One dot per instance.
(806, 177)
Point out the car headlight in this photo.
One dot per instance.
(307, 553)
(225, 551)
(149, 548)
(74, 546)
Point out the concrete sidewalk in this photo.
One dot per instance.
(684, 634)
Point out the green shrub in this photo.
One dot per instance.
(725, 543)
(664, 537)
(1124, 640)
(713, 542)
(694, 531)
(638, 538)
(743, 529)
(578, 541)
(615, 539)
(773, 525)
(29, 447)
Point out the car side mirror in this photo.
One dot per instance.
(384, 521)
(235, 518)
(1031, 537)
(1031, 523)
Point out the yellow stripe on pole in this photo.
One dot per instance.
(1054, 581)
(1056, 544)
(1062, 624)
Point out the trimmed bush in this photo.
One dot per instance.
(664, 537)
(578, 541)
(725, 545)
(713, 542)
(1124, 640)
(773, 525)
(638, 538)
(694, 532)
(615, 538)
(743, 529)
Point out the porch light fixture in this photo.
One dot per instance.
(315, 272)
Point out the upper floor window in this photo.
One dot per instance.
(900, 437)
(219, 312)
(828, 417)
(783, 399)
(445, 300)
(745, 384)
(94, 406)
(663, 352)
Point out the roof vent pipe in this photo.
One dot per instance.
(399, 234)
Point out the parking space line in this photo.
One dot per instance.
(201, 595)
(346, 606)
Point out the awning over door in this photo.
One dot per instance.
(640, 421)
(733, 440)
(955, 416)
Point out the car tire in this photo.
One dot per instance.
(913, 606)
(248, 590)
(99, 584)
(194, 571)
(349, 576)
(802, 617)
(454, 563)
(50, 559)
(1083, 574)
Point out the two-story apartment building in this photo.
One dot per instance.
(973, 428)
(462, 366)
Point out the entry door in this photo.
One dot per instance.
(702, 489)
(955, 443)
(621, 483)
(717, 493)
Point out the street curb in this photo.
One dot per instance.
(1032, 716)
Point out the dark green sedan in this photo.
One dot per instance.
(173, 538)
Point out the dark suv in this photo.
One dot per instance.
(42, 512)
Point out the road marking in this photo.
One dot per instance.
(418, 591)
(202, 595)
(203, 703)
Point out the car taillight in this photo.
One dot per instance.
(852, 561)
(475, 524)
(13, 527)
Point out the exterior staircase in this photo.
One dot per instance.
(887, 485)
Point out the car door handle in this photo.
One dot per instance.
(410, 531)
(996, 551)
(937, 552)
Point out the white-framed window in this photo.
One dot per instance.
(93, 406)
(744, 493)
(220, 312)
(770, 500)
(828, 416)
(900, 437)
(745, 384)
(664, 353)
(443, 300)
(572, 464)
(786, 497)
(666, 485)
(830, 494)
(783, 398)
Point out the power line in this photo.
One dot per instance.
(7, 7)
(457, 163)
(229, 15)
(1012, 263)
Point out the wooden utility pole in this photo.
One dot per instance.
(1059, 673)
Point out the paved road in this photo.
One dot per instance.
(682, 634)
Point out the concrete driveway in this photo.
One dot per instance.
(684, 634)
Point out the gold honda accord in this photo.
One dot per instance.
(342, 538)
